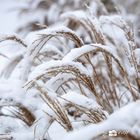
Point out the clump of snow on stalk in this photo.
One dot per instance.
(38, 39)
(80, 100)
(44, 68)
(123, 122)
(77, 52)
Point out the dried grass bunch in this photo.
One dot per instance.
(83, 70)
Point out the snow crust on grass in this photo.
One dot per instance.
(12, 91)
(77, 52)
(43, 68)
(80, 100)
(124, 120)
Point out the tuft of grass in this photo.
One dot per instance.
(97, 70)
(18, 111)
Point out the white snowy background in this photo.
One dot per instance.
(8, 16)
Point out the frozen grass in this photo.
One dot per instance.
(72, 79)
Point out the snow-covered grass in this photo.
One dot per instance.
(77, 78)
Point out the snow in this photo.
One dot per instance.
(38, 61)
(122, 120)
(137, 53)
(77, 52)
(45, 67)
(80, 100)
(6, 13)
(33, 39)
(75, 15)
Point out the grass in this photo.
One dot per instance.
(109, 83)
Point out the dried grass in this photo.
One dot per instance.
(103, 84)
(18, 111)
